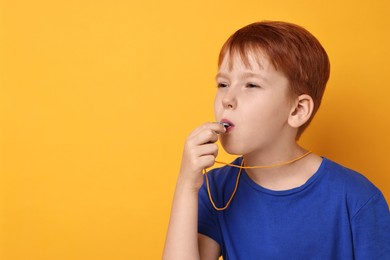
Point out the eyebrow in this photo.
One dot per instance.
(222, 75)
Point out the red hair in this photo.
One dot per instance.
(291, 49)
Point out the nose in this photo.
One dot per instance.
(229, 100)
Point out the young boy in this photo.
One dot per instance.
(294, 204)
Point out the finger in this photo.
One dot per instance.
(198, 130)
(215, 126)
(206, 136)
(208, 149)
(207, 161)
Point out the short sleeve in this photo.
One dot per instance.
(207, 218)
(371, 229)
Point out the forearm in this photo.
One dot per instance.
(199, 153)
(182, 237)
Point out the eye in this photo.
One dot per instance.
(252, 85)
(222, 85)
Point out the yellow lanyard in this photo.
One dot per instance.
(239, 174)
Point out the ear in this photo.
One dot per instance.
(301, 111)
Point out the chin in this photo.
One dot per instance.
(232, 149)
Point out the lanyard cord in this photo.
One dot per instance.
(234, 191)
(239, 174)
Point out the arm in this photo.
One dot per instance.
(208, 248)
(182, 238)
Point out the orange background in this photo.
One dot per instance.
(97, 97)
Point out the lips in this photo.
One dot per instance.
(227, 124)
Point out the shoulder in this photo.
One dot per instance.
(357, 189)
(348, 179)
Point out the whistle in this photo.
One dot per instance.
(224, 124)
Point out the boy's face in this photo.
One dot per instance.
(257, 101)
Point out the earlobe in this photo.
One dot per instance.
(301, 112)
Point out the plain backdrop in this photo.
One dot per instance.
(97, 98)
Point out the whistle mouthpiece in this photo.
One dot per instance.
(224, 124)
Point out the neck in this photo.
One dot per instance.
(283, 177)
(273, 156)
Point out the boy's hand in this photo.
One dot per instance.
(200, 151)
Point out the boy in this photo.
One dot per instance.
(294, 204)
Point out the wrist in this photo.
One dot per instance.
(189, 185)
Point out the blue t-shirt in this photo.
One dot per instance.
(336, 214)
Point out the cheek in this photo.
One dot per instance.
(254, 111)
(260, 118)
(217, 107)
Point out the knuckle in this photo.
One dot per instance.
(188, 140)
(215, 136)
(209, 160)
(194, 161)
(192, 153)
(210, 133)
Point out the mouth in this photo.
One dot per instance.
(227, 124)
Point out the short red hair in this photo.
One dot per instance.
(291, 49)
